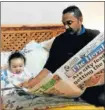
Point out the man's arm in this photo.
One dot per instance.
(49, 67)
(32, 82)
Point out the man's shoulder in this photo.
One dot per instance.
(59, 39)
(61, 36)
(92, 32)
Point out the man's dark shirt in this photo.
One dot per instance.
(65, 46)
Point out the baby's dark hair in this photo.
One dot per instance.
(16, 55)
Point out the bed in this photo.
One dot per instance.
(15, 37)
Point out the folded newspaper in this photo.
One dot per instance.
(85, 69)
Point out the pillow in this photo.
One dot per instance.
(36, 57)
(47, 44)
(4, 58)
(32, 45)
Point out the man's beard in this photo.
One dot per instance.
(71, 31)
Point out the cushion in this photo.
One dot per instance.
(4, 58)
(47, 44)
(36, 57)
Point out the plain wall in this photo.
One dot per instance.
(50, 13)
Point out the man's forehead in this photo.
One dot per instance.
(69, 13)
(68, 16)
(72, 13)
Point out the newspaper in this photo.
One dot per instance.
(85, 69)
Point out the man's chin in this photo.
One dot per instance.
(71, 32)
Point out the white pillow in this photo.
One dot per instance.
(47, 44)
(4, 58)
(32, 45)
(36, 57)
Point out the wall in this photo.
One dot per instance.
(50, 13)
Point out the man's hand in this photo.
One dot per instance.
(33, 81)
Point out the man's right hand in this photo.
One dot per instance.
(33, 81)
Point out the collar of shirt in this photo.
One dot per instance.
(82, 30)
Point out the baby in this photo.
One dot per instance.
(16, 72)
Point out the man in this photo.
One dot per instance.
(68, 44)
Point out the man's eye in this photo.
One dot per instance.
(69, 22)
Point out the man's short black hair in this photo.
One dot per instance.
(16, 55)
(73, 9)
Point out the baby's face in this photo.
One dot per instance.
(17, 65)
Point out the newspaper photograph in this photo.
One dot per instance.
(40, 84)
(56, 86)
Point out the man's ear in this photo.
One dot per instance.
(81, 19)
